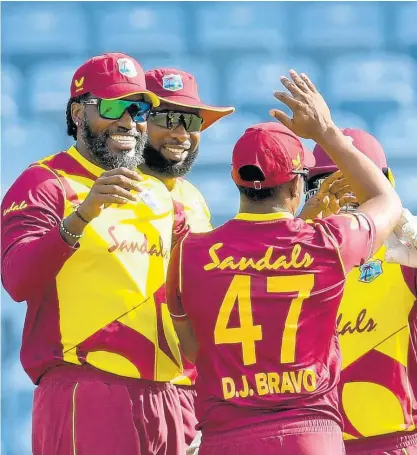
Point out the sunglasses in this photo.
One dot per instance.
(172, 120)
(115, 109)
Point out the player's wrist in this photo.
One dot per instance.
(327, 134)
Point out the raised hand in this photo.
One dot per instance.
(311, 115)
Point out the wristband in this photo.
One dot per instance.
(65, 231)
(80, 216)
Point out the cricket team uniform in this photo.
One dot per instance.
(377, 326)
(262, 293)
(98, 338)
(191, 202)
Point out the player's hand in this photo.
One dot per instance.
(400, 252)
(408, 227)
(333, 194)
(311, 115)
(112, 187)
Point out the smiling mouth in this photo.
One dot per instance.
(175, 153)
(124, 141)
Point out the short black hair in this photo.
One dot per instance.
(252, 174)
(71, 127)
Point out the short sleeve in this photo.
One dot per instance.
(354, 237)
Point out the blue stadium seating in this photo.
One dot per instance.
(42, 28)
(241, 26)
(218, 141)
(381, 77)
(339, 26)
(50, 83)
(406, 30)
(253, 81)
(204, 71)
(398, 134)
(141, 27)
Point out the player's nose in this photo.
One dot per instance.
(180, 133)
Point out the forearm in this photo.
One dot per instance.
(32, 264)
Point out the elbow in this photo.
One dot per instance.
(14, 289)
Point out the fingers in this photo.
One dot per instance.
(299, 82)
(120, 180)
(281, 117)
(308, 83)
(130, 174)
(292, 87)
(117, 191)
(328, 181)
(347, 199)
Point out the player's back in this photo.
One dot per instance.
(268, 289)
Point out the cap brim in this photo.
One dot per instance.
(209, 114)
(117, 91)
(309, 160)
(322, 170)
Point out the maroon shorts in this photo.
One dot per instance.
(314, 437)
(187, 396)
(405, 451)
(84, 411)
(400, 443)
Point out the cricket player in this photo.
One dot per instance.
(376, 325)
(86, 241)
(174, 129)
(255, 301)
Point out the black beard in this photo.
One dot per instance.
(154, 159)
(104, 157)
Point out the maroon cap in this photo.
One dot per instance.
(178, 87)
(111, 76)
(275, 150)
(362, 140)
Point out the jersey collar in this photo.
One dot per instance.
(264, 216)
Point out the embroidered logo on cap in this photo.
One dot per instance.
(172, 82)
(127, 67)
(79, 84)
(297, 161)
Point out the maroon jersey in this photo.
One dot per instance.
(262, 294)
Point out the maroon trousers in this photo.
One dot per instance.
(79, 410)
(314, 437)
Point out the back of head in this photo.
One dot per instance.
(266, 158)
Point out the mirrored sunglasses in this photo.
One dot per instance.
(115, 109)
(171, 120)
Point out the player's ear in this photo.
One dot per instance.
(295, 187)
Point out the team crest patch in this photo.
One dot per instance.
(172, 82)
(370, 270)
(127, 67)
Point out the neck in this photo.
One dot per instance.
(169, 182)
(247, 206)
(83, 151)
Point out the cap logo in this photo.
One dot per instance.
(127, 67)
(297, 161)
(172, 82)
(79, 84)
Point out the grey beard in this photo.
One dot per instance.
(104, 157)
(154, 159)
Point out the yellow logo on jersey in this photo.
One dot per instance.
(79, 84)
(15, 207)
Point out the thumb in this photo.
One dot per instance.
(282, 117)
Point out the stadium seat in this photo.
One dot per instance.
(345, 119)
(339, 25)
(241, 26)
(217, 187)
(218, 141)
(405, 23)
(141, 27)
(397, 132)
(25, 143)
(253, 81)
(373, 77)
(202, 69)
(49, 91)
(34, 28)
